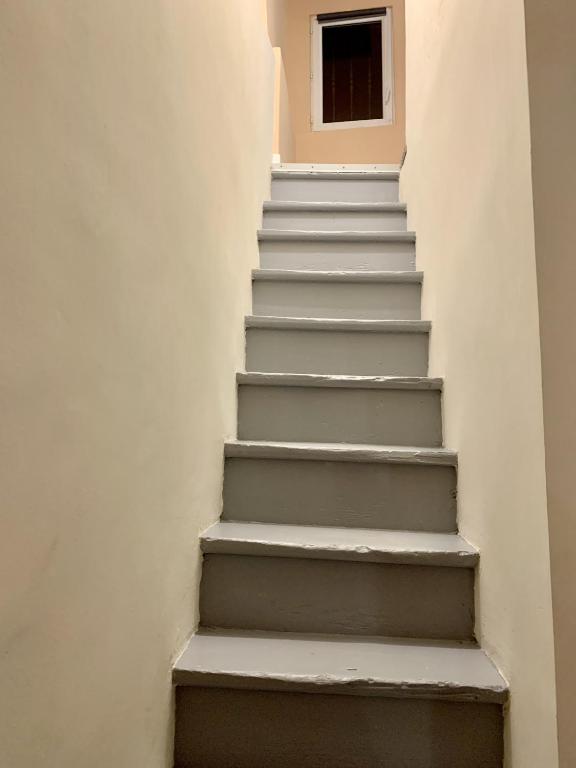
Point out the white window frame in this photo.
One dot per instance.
(317, 120)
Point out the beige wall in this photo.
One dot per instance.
(468, 184)
(130, 194)
(358, 145)
(551, 69)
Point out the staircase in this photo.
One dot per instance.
(337, 598)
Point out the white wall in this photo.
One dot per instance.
(134, 158)
(467, 181)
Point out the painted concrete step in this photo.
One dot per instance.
(286, 249)
(333, 346)
(356, 167)
(336, 186)
(373, 702)
(363, 217)
(330, 543)
(341, 485)
(345, 295)
(292, 591)
(349, 409)
(375, 667)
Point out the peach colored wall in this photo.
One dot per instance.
(353, 145)
(550, 30)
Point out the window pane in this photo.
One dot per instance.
(352, 72)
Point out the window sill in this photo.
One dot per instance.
(349, 125)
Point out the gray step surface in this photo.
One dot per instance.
(291, 249)
(339, 452)
(316, 542)
(341, 597)
(333, 346)
(304, 408)
(354, 666)
(322, 580)
(329, 186)
(244, 701)
(351, 295)
(366, 217)
(342, 486)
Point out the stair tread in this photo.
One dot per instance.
(336, 235)
(281, 173)
(338, 381)
(339, 452)
(361, 666)
(330, 324)
(342, 276)
(355, 544)
(336, 207)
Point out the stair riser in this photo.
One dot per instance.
(347, 494)
(325, 221)
(337, 255)
(336, 352)
(353, 301)
(222, 728)
(313, 414)
(336, 190)
(279, 594)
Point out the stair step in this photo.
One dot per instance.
(335, 324)
(347, 294)
(349, 409)
(292, 249)
(342, 453)
(314, 595)
(335, 186)
(356, 666)
(324, 216)
(342, 486)
(322, 543)
(341, 276)
(339, 236)
(337, 346)
(416, 383)
(404, 704)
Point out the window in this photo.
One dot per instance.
(352, 69)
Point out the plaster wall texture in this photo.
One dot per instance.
(131, 193)
(467, 181)
(283, 138)
(381, 144)
(552, 83)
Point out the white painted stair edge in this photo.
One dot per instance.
(326, 543)
(348, 236)
(256, 379)
(326, 206)
(358, 666)
(339, 452)
(329, 324)
(342, 276)
(330, 174)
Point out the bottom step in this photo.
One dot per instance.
(255, 701)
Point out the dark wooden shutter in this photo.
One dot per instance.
(352, 72)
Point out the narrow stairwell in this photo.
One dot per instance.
(337, 598)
